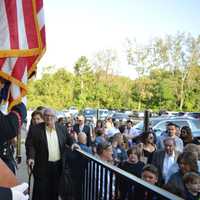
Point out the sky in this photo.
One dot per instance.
(78, 28)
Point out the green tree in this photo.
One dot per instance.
(53, 90)
(83, 82)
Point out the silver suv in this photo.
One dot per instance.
(159, 124)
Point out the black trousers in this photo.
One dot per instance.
(46, 188)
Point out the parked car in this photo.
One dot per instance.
(90, 114)
(195, 115)
(66, 113)
(140, 114)
(73, 110)
(60, 114)
(196, 134)
(128, 112)
(111, 113)
(119, 116)
(158, 124)
(102, 114)
(170, 113)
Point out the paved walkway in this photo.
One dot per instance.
(22, 173)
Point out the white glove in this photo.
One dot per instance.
(75, 146)
(18, 192)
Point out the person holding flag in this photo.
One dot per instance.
(22, 44)
(9, 126)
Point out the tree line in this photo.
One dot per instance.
(168, 78)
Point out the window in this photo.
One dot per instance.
(161, 126)
(181, 123)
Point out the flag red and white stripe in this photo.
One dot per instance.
(22, 43)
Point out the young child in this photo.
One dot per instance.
(134, 166)
(192, 186)
(150, 175)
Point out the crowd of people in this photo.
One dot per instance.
(170, 161)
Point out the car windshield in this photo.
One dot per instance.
(103, 112)
(139, 125)
(89, 112)
(60, 114)
(196, 123)
(120, 115)
(153, 122)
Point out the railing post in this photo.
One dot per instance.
(146, 122)
(97, 114)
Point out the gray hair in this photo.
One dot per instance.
(169, 139)
(49, 110)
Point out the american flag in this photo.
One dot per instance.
(22, 44)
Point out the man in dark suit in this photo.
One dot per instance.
(165, 159)
(45, 145)
(82, 127)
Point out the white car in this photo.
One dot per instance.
(73, 110)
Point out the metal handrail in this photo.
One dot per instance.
(131, 177)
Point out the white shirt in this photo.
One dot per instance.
(111, 132)
(132, 132)
(169, 160)
(81, 128)
(53, 145)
